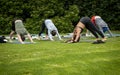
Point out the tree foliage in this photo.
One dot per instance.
(64, 13)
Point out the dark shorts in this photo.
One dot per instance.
(85, 20)
(13, 27)
(105, 29)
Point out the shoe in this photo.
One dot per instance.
(104, 39)
(98, 42)
(95, 42)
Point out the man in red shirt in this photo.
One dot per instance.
(101, 24)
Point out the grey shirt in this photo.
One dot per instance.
(101, 22)
(20, 29)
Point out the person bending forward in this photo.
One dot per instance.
(86, 22)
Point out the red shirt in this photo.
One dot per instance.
(93, 20)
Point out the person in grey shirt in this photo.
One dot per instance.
(51, 29)
(101, 24)
(18, 27)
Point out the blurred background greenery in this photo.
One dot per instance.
(64, 13)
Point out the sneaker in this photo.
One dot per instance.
(95, 42)
(98, 42)
(104, 39)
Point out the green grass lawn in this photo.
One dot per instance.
(58, 58)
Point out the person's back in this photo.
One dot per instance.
(50, 25)
(101, 24)
(99, 21)
(51, 29)
(20, 29)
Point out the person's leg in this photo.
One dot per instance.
(11, 35)
(111, 35)
(46, 37)
(42, 29)
(108, 30)
(90, 27)
(97, 31)
(97, 41)
(13, 30)
(94, 33)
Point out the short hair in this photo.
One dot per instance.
(53, 32)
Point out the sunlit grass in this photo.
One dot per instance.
(58, 58)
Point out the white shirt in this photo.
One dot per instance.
(50, 26)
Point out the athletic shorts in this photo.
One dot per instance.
(13, 27)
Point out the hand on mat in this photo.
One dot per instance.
(67, 41)
(61, 39)
(70, 41)
(33, 42)
(22, 43)
(10, 40)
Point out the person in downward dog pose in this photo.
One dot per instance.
(18, 27)
(86, 22)
(51, 29)
(101, 25)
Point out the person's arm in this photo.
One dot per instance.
(58, 35)
(11, 35)
(110, 32)
(77, 35)
(100, 28)
(42, 28)
(50, 35)
(72, 39)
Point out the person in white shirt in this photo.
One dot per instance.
(51, 29)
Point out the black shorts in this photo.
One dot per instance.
(13, 27)
(85, 20)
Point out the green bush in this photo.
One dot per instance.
(64, 13)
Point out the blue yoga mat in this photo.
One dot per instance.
(17, 42)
